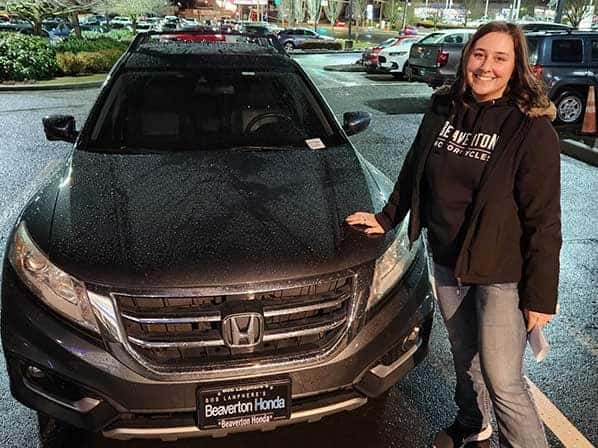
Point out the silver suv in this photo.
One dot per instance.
(435, 58)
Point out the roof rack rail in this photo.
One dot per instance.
(194, 35)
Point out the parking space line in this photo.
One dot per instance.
(554, 419)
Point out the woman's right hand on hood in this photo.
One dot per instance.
(366, 222)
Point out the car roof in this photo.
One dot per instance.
(561, 33)
(206, 47)
(453, 30)
(298, 28)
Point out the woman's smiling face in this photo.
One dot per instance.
(490, 66)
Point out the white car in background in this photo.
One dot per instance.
(120, 22)
(395, 59)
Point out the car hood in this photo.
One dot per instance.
(212, 218)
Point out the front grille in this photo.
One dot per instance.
(186, 332)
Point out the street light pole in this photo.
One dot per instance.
(350, 18)
(559, 11)
(404, 15)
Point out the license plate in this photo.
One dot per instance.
(245, 404)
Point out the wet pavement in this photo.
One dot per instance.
(422, 402)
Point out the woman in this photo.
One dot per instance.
(483, 176)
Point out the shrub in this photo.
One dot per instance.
(24, 57)
(322, 44)
(122, 35)
(87, 62)
(77, 45)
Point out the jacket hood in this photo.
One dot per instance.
(548, 112)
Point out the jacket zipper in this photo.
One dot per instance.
(482, 193)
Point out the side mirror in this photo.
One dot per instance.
(60, 127)
(355, 122)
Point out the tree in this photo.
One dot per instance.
(474, 9)
(297, 12)
(285, 9)
(135, 8)
(358, 8)
(76, 7)
(313, 9)
(333, 10)
(34, 11)
(393, 12)
(574, 11)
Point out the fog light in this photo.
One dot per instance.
(35, 373)
(411, 339)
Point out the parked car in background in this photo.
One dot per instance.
(15, 25)
(120, 22)
(166, 280)
(369, 57)
(57, 28)
(292, 38)
(543, 26)
(20, 26)
(435, 58)
(568, 64)
(185, 21)
(228, 25)
(395, 58)
(409, 30)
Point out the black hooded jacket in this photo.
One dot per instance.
(510, 231)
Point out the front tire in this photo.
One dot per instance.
(289, 46)
(569, 107)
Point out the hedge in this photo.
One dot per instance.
(119, 35)
(77, 45)
(85, 62)
(24, 57)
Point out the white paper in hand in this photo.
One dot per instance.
(538, 343)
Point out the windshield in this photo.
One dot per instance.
(211, 109)
(433, 38)
(387, 42)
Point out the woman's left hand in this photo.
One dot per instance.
(534, 318)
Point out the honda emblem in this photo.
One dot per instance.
(243, 330)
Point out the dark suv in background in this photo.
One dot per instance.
(568, 64)
(188, 271)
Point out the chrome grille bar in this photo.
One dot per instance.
(212, 317)
(185, 331)
(307, 330)
(317, 305)
(181, 344)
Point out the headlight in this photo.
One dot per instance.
(391, 266)
(57, 289)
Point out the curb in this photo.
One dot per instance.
(345, 68)
(580, 151)
(303, 52)
(65, 86)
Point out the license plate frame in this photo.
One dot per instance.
(244, 403)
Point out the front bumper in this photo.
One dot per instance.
(91, 389)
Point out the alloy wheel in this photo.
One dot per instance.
(569, 109)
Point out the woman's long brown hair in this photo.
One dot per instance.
(527, 91)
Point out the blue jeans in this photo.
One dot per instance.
(488, 334)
